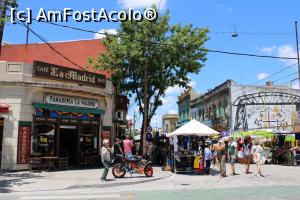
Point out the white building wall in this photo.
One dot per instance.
(264, 116)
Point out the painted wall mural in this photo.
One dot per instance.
(269, 110)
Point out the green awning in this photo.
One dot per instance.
(69, 108)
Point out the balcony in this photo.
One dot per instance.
(122, 103)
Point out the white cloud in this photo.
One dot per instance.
(177, 90)
(5, 42)
(168, 101)
(286, 50)
(295, 85)
(172, 111)
(268, 50)
(108, 31)
(174, 90)
(262, 76)
(142, 3)
(192, 84)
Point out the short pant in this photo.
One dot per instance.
(232, 159)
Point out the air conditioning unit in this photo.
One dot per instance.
(119, 116)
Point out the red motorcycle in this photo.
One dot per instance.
(135, 164)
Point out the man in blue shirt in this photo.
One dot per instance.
(207, 158)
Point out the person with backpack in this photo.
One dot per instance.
(247, 153)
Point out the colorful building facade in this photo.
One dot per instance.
(169, 122)
(231, 107)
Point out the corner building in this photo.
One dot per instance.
(51, 107)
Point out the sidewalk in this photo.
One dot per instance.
(69, 179)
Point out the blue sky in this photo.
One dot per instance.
(264, 27)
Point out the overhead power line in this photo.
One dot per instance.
(267, 77)
(49, 45)
(250, 33)
(286, 76)
(290, 81)
(173, 45)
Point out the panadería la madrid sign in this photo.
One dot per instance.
(71, 101)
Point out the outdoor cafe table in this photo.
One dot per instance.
(49, 162)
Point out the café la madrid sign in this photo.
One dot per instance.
(71, 101)
(56, 72)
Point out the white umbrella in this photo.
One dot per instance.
(194, 127)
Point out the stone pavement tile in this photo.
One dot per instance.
(246, 193)
(58, 180)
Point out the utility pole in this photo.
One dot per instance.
(296, 27)
(2, 22)
(27, 34)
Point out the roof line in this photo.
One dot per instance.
(10, 44)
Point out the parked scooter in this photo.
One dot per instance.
(135, 164)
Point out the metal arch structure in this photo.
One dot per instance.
(260, 98)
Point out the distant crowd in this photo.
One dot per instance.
(243, 150)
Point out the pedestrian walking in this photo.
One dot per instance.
(106, 158)
(222, 152)
(216, 158)
(207, 158)
(127, 145)
(247, 146)
(232, 154)
(257, 153)
(117, 149)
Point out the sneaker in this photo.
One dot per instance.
(103, 179)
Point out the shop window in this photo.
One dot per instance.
(43, 139)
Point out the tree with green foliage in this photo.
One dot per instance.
(163, 53)
(5, 5)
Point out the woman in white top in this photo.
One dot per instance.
(257, 154)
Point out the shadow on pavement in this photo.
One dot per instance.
(10, 179)
(115, 184)
(212, 172)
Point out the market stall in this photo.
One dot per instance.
(281, 147)
(188, 143)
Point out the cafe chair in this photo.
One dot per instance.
(63, 163)
(35, 164)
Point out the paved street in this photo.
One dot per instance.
(280, 182)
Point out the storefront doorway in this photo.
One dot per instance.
(68, 140)
(1, 138)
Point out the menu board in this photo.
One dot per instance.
(24, 144)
